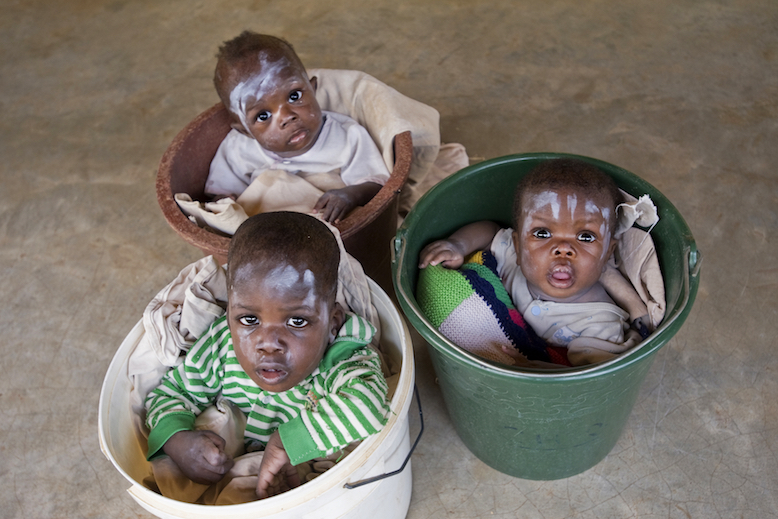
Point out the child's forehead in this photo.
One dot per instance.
(282, 275)
(537, 198)
(258, 268)
(270, 67)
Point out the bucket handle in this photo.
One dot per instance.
(385, 475)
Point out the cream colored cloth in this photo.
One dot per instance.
(640, 266)
(238, 485)
(224, 215)
(272, 190)
(635, 259)
(384, 112)
(451, 158)
(172, 322)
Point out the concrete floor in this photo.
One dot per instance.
(684, 94)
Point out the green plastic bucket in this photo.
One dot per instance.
(536, 424)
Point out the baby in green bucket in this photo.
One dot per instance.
(553, 259)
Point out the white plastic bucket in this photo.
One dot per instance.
(324, 497)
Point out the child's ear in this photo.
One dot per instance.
(235, 123)
(314, 83)
(337, 320)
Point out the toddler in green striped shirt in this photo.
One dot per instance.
(286, 354)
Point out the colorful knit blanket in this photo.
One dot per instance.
(472, 309)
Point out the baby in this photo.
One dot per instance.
(278, 124)
(286, 354)
(552, 260)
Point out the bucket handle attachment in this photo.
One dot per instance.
(385, 475)
(695, 262)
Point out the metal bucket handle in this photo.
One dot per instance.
(385, 475)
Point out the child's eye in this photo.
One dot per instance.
(297, 322)
(586, 237)
(248, 320)
(296, 95)
(541, 233)
(263, 116)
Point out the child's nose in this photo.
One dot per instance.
(564, 248)
(287, 115)
(269, 339)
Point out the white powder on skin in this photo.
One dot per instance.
(287, 277)
(572, 203)
(537, 201)
(257, 86)
(591, 207)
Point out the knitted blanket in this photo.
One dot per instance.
(472, 309)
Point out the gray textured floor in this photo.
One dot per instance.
(683, 94)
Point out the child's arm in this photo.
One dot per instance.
(625, 296)
(275, 461)
(337, 203)
(353, 406)
(185, 391)
(451, 253)
(350, 404)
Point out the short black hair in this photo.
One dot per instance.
(287, 237)
(566, 173)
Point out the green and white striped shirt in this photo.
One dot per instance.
(343, 400)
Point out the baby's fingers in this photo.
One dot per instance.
(335, 213)
(321, 202)
(220, 461)
(440, 253)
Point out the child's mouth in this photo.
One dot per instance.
(298, 136)
(561, 277)
(271, 375)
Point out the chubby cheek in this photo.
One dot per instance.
(526, 252)
(246, 353)
(266, 137)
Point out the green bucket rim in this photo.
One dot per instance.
(630, 183)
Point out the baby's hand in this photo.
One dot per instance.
(443, 252)
(334, 205)
(337, 203)
(200, 455)
(275, 461)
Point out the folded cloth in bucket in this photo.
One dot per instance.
(472, 309)
(240, 483)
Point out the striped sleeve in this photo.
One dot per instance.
(185, 391)
(353, 405)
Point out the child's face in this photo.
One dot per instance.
(279, 323)
(563, 241)
(275, 102)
